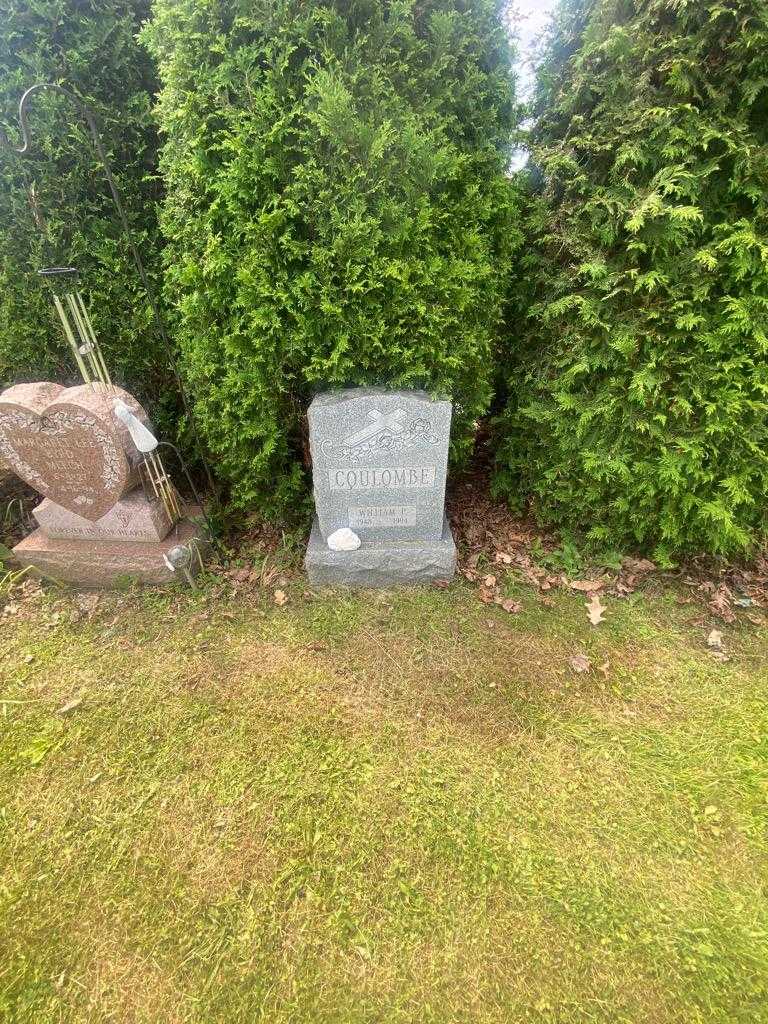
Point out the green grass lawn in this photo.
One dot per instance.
(380, 808)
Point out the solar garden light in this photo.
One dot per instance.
(180, 559)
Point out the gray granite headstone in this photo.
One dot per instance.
(379, 461)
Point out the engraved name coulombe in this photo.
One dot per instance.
(416, 477)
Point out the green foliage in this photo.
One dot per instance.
(89, 46)
(337, 212)
(642, 416)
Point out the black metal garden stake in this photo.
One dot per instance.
(68, 300)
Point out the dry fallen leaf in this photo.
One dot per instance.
(281, 598)
(595, 610)
(604, 669)
(715, 639)
(585, 586)
(622, 588)
(720, 604)
(640, 565)
(580, 663)
(510, 605)
(503, 557)
(490, 582)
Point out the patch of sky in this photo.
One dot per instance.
(529, 20)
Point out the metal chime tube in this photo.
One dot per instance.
(91, 334)
(89, 345)
(163, 487)
(71, 340)
(83, 347)
(172, 492)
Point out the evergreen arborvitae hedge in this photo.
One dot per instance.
(337, 211)
(91, 47)
(640, 409)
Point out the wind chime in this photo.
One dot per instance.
(84, 345)
(78, 328)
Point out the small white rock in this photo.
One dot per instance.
(344, 540)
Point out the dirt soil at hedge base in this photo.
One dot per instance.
(498, 550)
(489, 536)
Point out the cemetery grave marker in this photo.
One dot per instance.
(97, 524)
(379, 462)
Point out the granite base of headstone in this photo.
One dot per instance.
(108, 563)
(379, 462)
(135, 517)
(96, 525)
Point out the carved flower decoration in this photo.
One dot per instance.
(421, 428)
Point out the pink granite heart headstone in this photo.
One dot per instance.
(68, 444)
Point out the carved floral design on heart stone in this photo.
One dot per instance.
(68, 444)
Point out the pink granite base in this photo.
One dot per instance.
(90, 563)
(134, 517)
